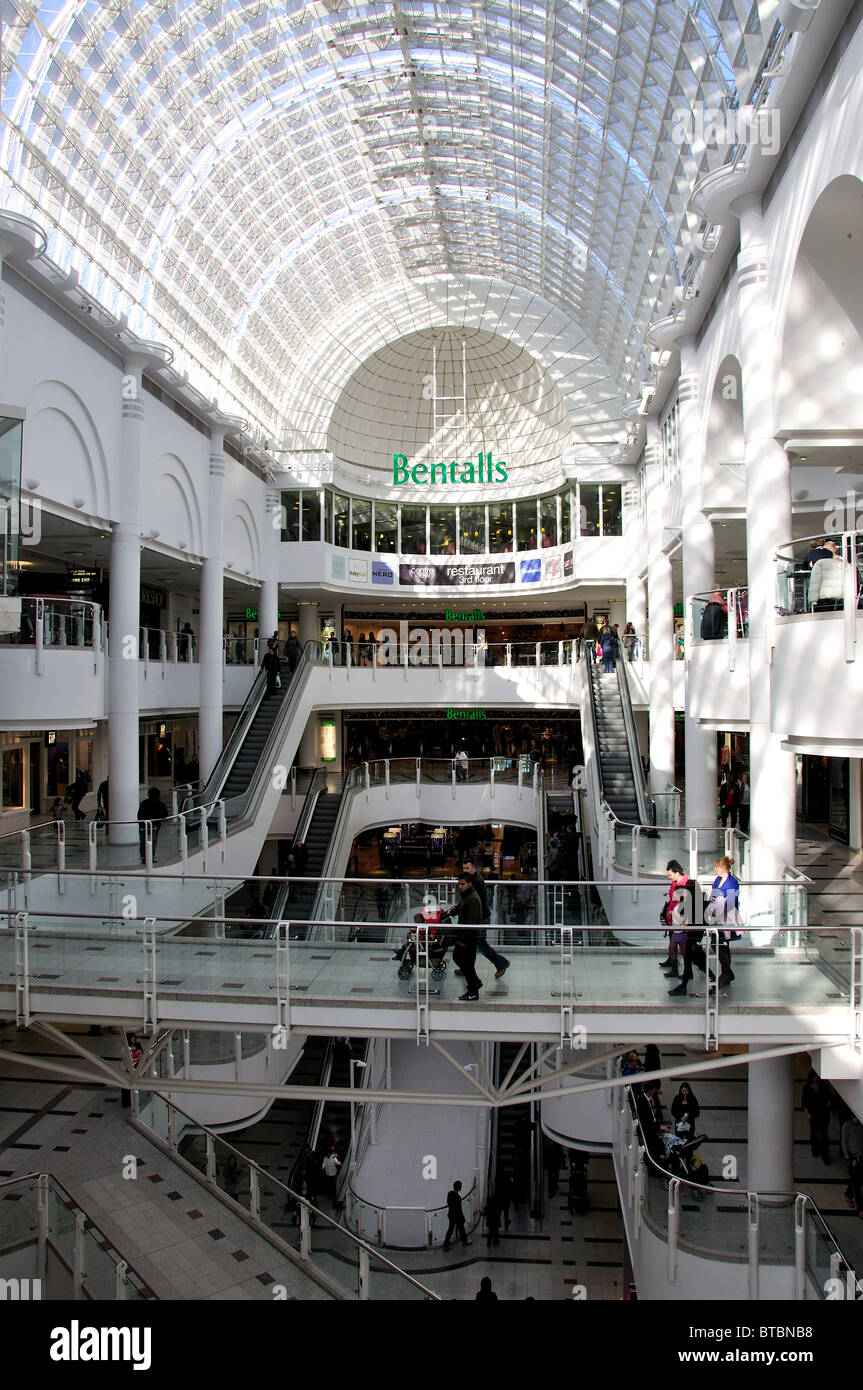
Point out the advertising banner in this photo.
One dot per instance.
(358, 571)
(382, 573)
(434, 575)
(531, 570)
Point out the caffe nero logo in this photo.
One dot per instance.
(483, 471)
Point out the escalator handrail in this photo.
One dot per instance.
(591, 696)
(244, 806)
(632, 743)
(228, 756)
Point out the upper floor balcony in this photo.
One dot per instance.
(54, 666)
(817, 672)
(716, 648)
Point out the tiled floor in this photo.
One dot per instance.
(180, 1239)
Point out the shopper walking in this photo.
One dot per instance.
(330, 1171)
(500, 963)
(293, 652)
(685, 1111)
(468, 911)
(630, 641)
(816, 1103)
(461, 761)
(722, 912)
(728, 794)
(154, 810)
(455, 1212)
(743, 797)
(686, 917)
(77, 792)
(851, 1142)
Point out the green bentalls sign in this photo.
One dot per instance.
(483, 471)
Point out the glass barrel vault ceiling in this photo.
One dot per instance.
(246, 179)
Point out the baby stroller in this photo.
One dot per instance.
(679, 1153)
(438, 945)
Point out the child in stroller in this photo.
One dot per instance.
(437, 942)
(679, 1156)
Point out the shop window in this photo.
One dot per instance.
(525, 524)
(413, 530)
(290, 516)
(328, 517)
(589, 509)
(386, 540)
(472, 531)
(499, 528)
(341, 520)
(442, 530)
(13, 779)
(311, 516)
(361, 522)
(548, 520)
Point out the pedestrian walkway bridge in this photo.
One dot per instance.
(564, 984)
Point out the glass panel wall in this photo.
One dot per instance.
(442, 530)
(341, 520)
(589, 509)
(291, 516)
(499, 527)
(473, 528)
(612, 510)
(472, 531)
(548, 520)
(386, 523)
(525, 524)
(565, 517)
(413, 530)
(10, 502)
(361, 524)
(310, 525)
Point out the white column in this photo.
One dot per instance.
(768, 526)
(211, 710)
(855, 803)
(698, 570)
(124, 616)
(661, 621)
(309, 626)
(268, 610)
(770, 1134)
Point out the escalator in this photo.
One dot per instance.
(517, 1137)
(318, 832)
(620, 771)
(257, 736)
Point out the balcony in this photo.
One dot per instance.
(817, 685)
(717, 658)
(52, 665)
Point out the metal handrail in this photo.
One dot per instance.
(621, 668)
(749, 1194)
(301, 1202)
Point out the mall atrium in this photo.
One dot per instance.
(431, 595)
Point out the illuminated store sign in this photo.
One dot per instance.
(466, 714)
(328, 740)
(483, 471)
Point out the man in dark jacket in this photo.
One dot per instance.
(293, 652)
(500, 963)
(153, 809)
(469, 913)
(272, 666)
(456, 1216)
(649, 1109)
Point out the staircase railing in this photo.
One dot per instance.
(644, 807)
